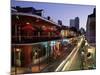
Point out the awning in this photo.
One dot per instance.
(47, 30)
(28, 27)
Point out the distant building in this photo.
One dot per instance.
(29, 10)
(64, 31)
(72, 23)
(91, 27)
(75, 23)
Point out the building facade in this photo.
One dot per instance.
(91, 27)
(29, 10)
(32, 36)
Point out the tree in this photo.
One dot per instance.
(82, 30)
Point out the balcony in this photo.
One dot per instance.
(33, 39)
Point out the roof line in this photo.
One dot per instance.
(33, 15)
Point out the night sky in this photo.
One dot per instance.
(63, 12)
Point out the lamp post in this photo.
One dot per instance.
(19, 29)
(39, 61)
(19, 54)
(15, 60)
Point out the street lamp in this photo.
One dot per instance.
(19, 61)
(15, 60)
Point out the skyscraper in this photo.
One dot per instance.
(72, 23)
(75, 23)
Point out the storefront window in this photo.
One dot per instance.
(39, 50)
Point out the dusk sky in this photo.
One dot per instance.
(63, 12)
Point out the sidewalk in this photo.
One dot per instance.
(18, 70)
(48, 65)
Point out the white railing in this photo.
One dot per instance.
(36, 36)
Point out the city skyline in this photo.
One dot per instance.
(63, 12)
